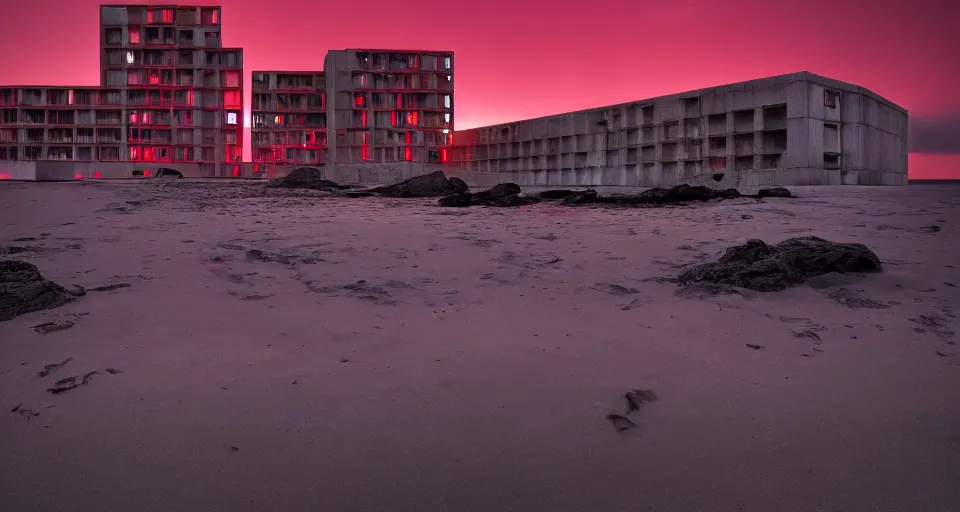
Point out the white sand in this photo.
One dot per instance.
(484, 386)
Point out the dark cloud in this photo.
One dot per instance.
(939, 134)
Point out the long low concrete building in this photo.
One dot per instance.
(796, 129)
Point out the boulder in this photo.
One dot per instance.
(683, 193)
(582, 197)
(306, 177)
(456, 200)
(765, 268)
(434, 184)
(774, 192)
(501, 195)
(23, 290)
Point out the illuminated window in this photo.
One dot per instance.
(278, 120)
(134, 35)
(446, 100)
(408, 137)
(408, 154)
(443, 154)
(393, 118)
(413, 118)
(363, 118)
(130, 59)
(365, 153)
(446, 63)
(446, 118)
(168, 15)
(231, 99)
(449, 78)
(231, 118)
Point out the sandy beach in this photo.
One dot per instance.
(278, 350)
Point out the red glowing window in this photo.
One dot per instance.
(134, 35)
(393, 118)
(408, 137)
(134, 153)
(231, 99)
(399, 101)
(443, 154)
(78, 176)
(167, 18)
(365, 153)
(5, 176)
(154, 77)
(413, 118)
(310, 138)
(360, 100)
(363, 118)
(97, 175)
(408, 154)
(236, 170)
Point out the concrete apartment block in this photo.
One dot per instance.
(182, 91)
(389, 105)
(289, 120)
(170, 96)
(796, 129)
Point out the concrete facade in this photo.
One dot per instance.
(796, 129)
(389, 105)
(169, 93)
(288, 120)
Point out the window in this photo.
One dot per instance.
(232, 79)
(413, 118)
(408, 154)
(231, 118)
(363, 118)
(365, 153)
(446, 101)
(134, 35)
(231, 99)
(830, 98)
(446, 118)
(130, 58)
(360, 100)
(446, 63)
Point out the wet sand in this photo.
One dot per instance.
(474, 367)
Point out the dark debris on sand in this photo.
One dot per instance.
(435, 184)
(501, 195)
(24, 290)
(766, 268)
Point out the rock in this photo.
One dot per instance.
(456, 200)
(774, 192)
(23, 290)
(620, 422)
(718, 176)
(638, 397)
(108, 287)
(584, 197)
(501, 195)
(684, 193)
(306, 177)
(434, 184)
(758, 266)
(556, 195)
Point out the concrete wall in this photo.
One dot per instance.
(757, 133)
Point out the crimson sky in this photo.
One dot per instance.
(524, 58)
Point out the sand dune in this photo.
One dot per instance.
(280, 350)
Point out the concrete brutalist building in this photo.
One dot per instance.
(796, 129)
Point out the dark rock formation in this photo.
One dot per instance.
(582, 197)
(684, 193)
(501, 195)
(434, 184)
(761, 267)
(774, 192)
(306, 177)
(23, 290)
(556, 195)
